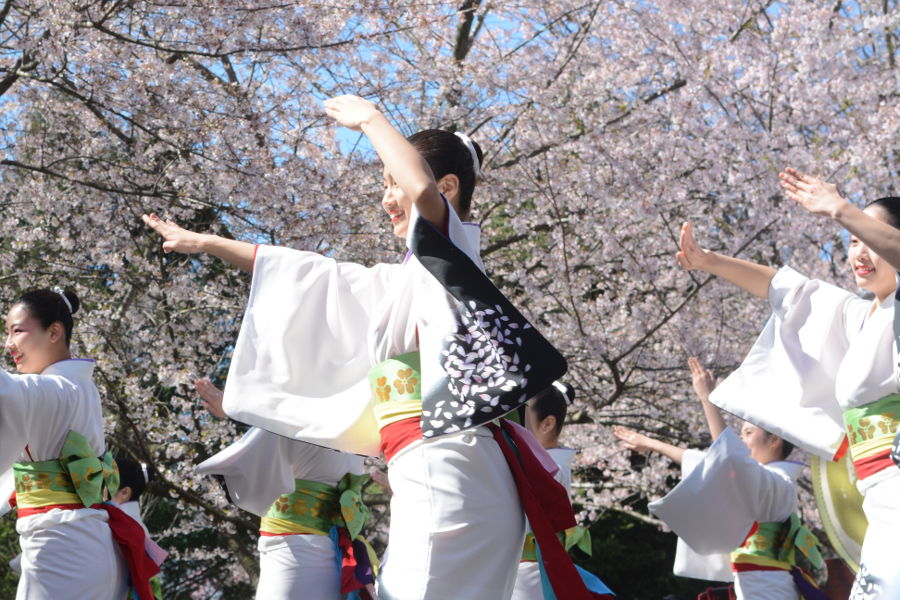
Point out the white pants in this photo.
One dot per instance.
(528, 582)
(765, 585)
(879, 560)
(457, 527)
(298, 566)
(70, 554)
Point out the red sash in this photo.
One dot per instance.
(546, 504)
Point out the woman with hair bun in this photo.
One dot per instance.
(824, 372)
(544, 416)
(414, 360)
(54, 456)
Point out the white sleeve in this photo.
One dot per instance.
(301, 360)
(257, 470)
(716, 505)
(14, 418)
(689, 461)
(786, 384)
(7, 487)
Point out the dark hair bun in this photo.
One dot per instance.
(72, 297)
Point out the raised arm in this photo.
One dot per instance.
(704, 383)
(641, 443)
(401, 160)
(179, 239)
(747, 275)
(822, 198)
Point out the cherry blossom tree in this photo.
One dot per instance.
(605, 125)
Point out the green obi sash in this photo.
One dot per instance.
(77, 477)
(776, 545)
(573, 537)
(397, 388)
(871, 428)
(315, 507)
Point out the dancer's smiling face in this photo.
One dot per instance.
(32, 346)
(870, 271)
(396, 205)
(763, 446)
(399, 207)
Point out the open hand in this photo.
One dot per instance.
(177, 239)
(690, 255)
(817, 196)
(211, 396)
(633, 440)
(703, 380)
(350, 111)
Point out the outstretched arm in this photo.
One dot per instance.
(179, 239)
(822, 198)
(641, 443)
(401, 160)
(747, 275)
(704, 383)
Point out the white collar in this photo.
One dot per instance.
(72, 367)
(562, 456)
(789, 468)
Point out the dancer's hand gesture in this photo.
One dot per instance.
(703, 380)
(690, 255)
(633, 440)
(815, 195)
(211, 397)
(351, 111)
(177, 239)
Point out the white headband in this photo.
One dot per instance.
(62, 295)
(476, 165)
(565, 390)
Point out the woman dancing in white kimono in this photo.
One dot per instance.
(413, 360)
(735, 510)
(302, 493)
(824, 374)
(51, 435)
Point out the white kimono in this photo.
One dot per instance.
(259, 468)
(65, 553)
(825, 350)
(528, 579)
(312, 331)
(688, 563)
(716, 505)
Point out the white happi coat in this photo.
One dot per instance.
(457, 527)
(259, 468)
(825, 350)
(528, 579)
(717, 503)
(65, 553)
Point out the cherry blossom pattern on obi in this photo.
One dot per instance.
(494, 360)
